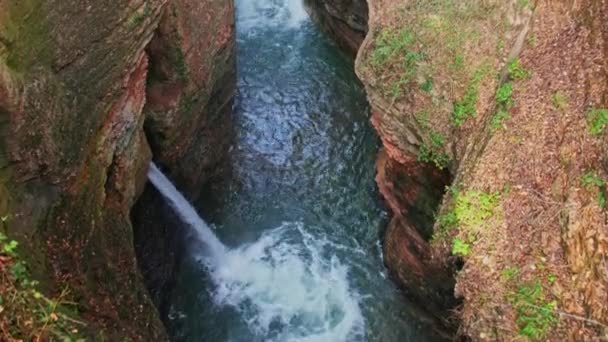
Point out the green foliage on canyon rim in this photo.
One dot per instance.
(535, 314)
(597, 119)
(26, 313)
(466, 107)
(395, 47)
(433, 152)
(470, 213)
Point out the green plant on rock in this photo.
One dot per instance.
(523, 4)
(592, 181)
(396, 49)
(597, 120)
(461, 247)
(535, 315)
(474, 208)
(467, 106)
(427, 85)
(390, 44)
(423, 119)
(139, 17)
(504, 95)
(26, 313)
(471, 213)
(434, 152)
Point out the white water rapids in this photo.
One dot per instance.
(281, 285)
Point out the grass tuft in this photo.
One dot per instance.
(467, 106)
(516, 70)
(559, 100)
(434, 152)
(470, 213)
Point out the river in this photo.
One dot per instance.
(300, 214)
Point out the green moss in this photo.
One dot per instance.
(390, 44)
(396, 48)
(470, 213)
(139, 16)
(523, 4)
(597, 119)
(26, 37)
(423, 119)
(460, 247)
(474, 208)
(179, 61)
(509, 273)
(427, 85)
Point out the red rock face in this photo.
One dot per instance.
(344, 20)
(413, 191)
(76, 85)
(191, 85)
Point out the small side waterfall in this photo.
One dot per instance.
(187, 213)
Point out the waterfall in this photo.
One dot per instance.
(282, 285)
(187, 213)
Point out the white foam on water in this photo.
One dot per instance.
(285, 285)
(286, 290)
(270, 13)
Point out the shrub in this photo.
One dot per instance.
(504, 95)
(460, 247)
(535, 315)
(597, 119)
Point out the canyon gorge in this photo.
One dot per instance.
(375, 170)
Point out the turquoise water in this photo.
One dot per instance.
(299, 214)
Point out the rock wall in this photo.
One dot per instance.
(344, 20)
(190, 87)
(493, 93)
(78, 83)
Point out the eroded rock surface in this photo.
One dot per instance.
(74, 80)
(343, 20)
